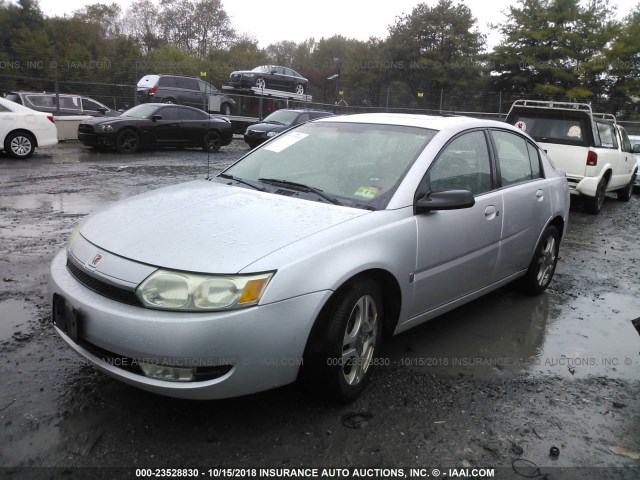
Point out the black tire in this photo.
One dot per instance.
(593, 205)
(19, 145)
(128, 141)
(212, 142)
(341, 356)
(225, 109)
(624, 194)
(261, 83)
(299, 89)
(543, 264)
(169, 101)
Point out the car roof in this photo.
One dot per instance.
(434, 122)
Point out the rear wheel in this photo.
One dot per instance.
(544, 262)
(593, 205)
(212, 142)
(624, 195)
(300, 89)
(19, 145)
(339, 361)
(260, 83)
(225, 109)
(168, 100)
(128, 141)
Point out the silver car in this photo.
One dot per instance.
(294, 262)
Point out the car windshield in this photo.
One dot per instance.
(285, 117)
(356, 164)
(141, 111)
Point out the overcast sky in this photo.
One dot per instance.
(272, 21)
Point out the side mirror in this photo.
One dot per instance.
(636, 148)
(155, 118)
(448, 200)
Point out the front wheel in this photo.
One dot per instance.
(594, 204)
(543, 265)
(225, 109)
(128, 141)
(624, 195)
(212, 142)
(342, 357)
(300, 89)
(260, 83)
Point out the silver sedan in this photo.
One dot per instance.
(295, 262)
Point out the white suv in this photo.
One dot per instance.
(592, 149)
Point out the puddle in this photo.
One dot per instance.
(69, 203)
(507, 332)
(14, 322)
(596, 337)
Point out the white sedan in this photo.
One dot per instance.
(23, 129)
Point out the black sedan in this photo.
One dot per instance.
(153, 125)
(278, 122)
(270, 76)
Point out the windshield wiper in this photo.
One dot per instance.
(300, 187)
(243, 181)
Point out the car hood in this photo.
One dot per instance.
(110, 120)
(209, 227)
(268, 127)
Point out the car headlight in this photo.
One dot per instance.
(249, 75)
(272, 134)
(171, 290)
(104, 128)
(72, 238)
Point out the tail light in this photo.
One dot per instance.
(50, 117)
(592, 159)
(153, 90)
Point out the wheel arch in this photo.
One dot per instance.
(25, 132)
(391, 297)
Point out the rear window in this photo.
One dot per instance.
(148, 81)
(554, 127)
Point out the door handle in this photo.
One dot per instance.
(491, 212)
(539, 195)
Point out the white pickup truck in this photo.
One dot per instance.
(592, 149)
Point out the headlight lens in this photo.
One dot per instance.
(272, 134)
(104, 128)
(72, 238)
(169, 290)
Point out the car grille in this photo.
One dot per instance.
(110, 291)
(82, 128)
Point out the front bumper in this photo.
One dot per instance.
(258, 348)
(97, 139)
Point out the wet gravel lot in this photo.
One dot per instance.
(494, 384)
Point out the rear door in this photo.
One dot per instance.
(193, 125)
(189, 92)
(458, 249)
(527, 200)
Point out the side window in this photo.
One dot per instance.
(169, 113)
(187, 83)
(534, 159)
(90, 105)
(188, 114)
(167, 82)
(607, 135)
(626, 143)
(303, 118)
(513, 155)
(463, 165)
